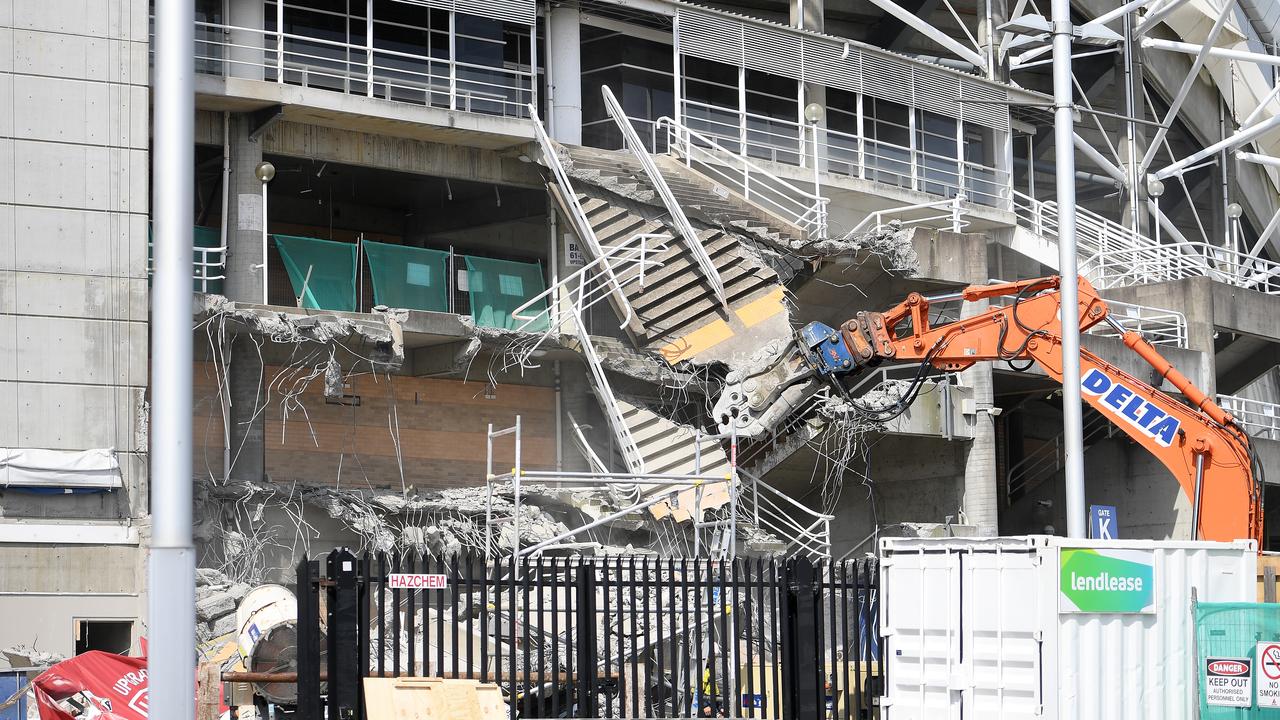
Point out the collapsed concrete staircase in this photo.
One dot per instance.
(675, 302)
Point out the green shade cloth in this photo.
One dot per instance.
(497, 287)
(408, 277)
(1233, 630)
(332, 265)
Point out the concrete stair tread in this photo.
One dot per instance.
(692, 291)
(659, 329)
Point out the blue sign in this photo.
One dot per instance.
(1104, 524)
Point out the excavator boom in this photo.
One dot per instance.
(1200, 444)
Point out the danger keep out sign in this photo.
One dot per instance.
(1268, 674)
(1228, 682)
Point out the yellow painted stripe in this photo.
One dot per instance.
(707, 336)
(761, 309)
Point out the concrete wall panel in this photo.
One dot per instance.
(123, 19)
(61, 240)
(89, 352)
(7, 179)
(74, 296)
(8, 413)
(48, 622)
(80, 176)
(76, 417)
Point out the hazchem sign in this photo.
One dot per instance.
(1268, 674)
(417, 581)
(1106, 581)
(1228, 682)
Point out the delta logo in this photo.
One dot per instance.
(1131, 407)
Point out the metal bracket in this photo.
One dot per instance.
(261, 120)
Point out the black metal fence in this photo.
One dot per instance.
(614, 637)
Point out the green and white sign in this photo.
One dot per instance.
(1096, 580)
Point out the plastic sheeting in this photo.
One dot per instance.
(96, 469)
(497, 287)
(408, 277)
(1232, 631)
(322, 272)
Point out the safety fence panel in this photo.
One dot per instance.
(1227, 633)
(496, 287)
(322, 272)
(408, 277)
(607, 637)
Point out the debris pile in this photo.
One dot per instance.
(217, 597)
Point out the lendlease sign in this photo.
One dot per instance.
(1093, 580)
(1131, 407)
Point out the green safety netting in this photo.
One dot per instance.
(202, 266)
(497, 287)
(408, 277)
(322, 272)
(1233, 631)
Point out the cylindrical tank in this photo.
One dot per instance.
(267, 618)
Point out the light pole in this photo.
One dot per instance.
(813, 113)
(265, 172)
(171, 566)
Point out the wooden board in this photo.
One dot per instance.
(434, 698)
(1268, 572)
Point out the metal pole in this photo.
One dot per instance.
(1195, 508)
(171, 567)
(265, 300)
(1064, 131)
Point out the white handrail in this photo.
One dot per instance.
(579, 217)
(797, 524)
(954, 205)
(1259, 418)
(632, 141)
(756, 184)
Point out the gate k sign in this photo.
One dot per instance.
(1103, 524)
(1268, 678)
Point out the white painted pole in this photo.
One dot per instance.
(1064, 132)
(265, 300)
(171, 568)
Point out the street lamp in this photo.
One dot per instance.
(813, 113)
(265, 172)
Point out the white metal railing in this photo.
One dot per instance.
(1112, 255)
(579, 292)
(691, 240)
(942, 214)
(802, 208)
(357, 69)
(806, 531)
(208, 265)
(843, 153)
(582, 225)
(1259, 418)
(1160, 326)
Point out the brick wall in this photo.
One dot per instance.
(442, 425)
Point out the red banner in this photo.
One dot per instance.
(115, 685)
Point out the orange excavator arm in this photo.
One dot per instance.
(1200, 443)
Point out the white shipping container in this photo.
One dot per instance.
(982, 627)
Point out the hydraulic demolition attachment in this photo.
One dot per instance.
(1200, 443)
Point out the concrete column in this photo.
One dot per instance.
(244, 284)
(981, 501)
(244, 216)
(247, 44)
(564, 60)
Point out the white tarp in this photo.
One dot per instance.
(97, 468)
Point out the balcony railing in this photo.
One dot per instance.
(291, 59)
(1259, 418)
(840, 153)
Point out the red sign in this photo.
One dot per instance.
(1228, 667)
(415, 581)
(113, 684)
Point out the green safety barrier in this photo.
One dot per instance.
(202, 237)
(497, 287)
(408, 277)
(1228, 632)
(322, 272)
